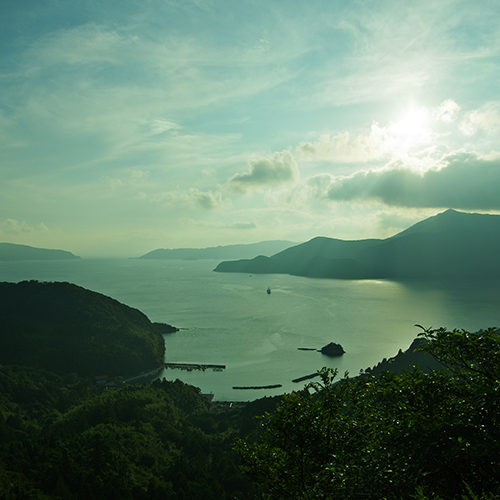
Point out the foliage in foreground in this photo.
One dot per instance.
(428, 437)
(153, 441)
(390, 436)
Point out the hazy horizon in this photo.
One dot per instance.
(132, 126)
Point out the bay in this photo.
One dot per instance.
(229, 319)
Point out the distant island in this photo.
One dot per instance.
(11, 251)
(221, 252)
(64, 328)
(449, 245)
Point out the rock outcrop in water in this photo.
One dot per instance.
(332, 349)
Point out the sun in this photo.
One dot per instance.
(413, 126)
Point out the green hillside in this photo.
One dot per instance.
(64, 328)
(61, 440)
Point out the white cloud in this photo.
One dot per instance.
(160, 126)
(346, 148)
(123, 89)
(272, 170)
(242, 225)
(14, 227)
(194, 198)
(117, 104)
(188, 221)
(136, 174)
(419, 138)
(82, 45)
(114, 183)
(486, 118)
(447, 111)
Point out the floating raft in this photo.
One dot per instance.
(193, 366)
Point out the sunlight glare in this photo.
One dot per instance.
(412, 126)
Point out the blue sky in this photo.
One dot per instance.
(127, 126)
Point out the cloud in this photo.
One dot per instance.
(486, 118)
(136, 174)
(114, 183)
(188, 221)
(412, 134)
(242, 225)
(177, 64)
(123, 87)
(207, 200)
(132, 177)
(82, 45)
(272, 170)
(346, 148)
(14, 227)
(463, 181)
(161, 126)
(447, 111)
(194, 198)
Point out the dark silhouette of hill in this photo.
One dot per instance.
(406, 360)
(64, 328)
(220, 252)
(449, 245)
(11, 251)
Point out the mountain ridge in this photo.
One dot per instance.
(238, 251)
(13, 251)
(448, 245)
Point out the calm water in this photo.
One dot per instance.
(230, 319)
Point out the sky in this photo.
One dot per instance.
(127, 126)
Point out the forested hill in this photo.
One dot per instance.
(63, 437)
(449, 245)
(11, 251)
(64, 328)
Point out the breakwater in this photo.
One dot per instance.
(306, 377)
(243, 387)
(194, 366)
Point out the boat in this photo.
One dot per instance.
(268, 290)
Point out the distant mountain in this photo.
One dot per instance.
(11, 251)
(63, 328)
(449, 245)
(221, 252)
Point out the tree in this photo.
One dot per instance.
(389, 436)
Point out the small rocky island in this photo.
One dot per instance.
(332, 349)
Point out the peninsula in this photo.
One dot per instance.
(11, 251)
(64, 328)
(451, 244)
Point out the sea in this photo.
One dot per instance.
(263, 338)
